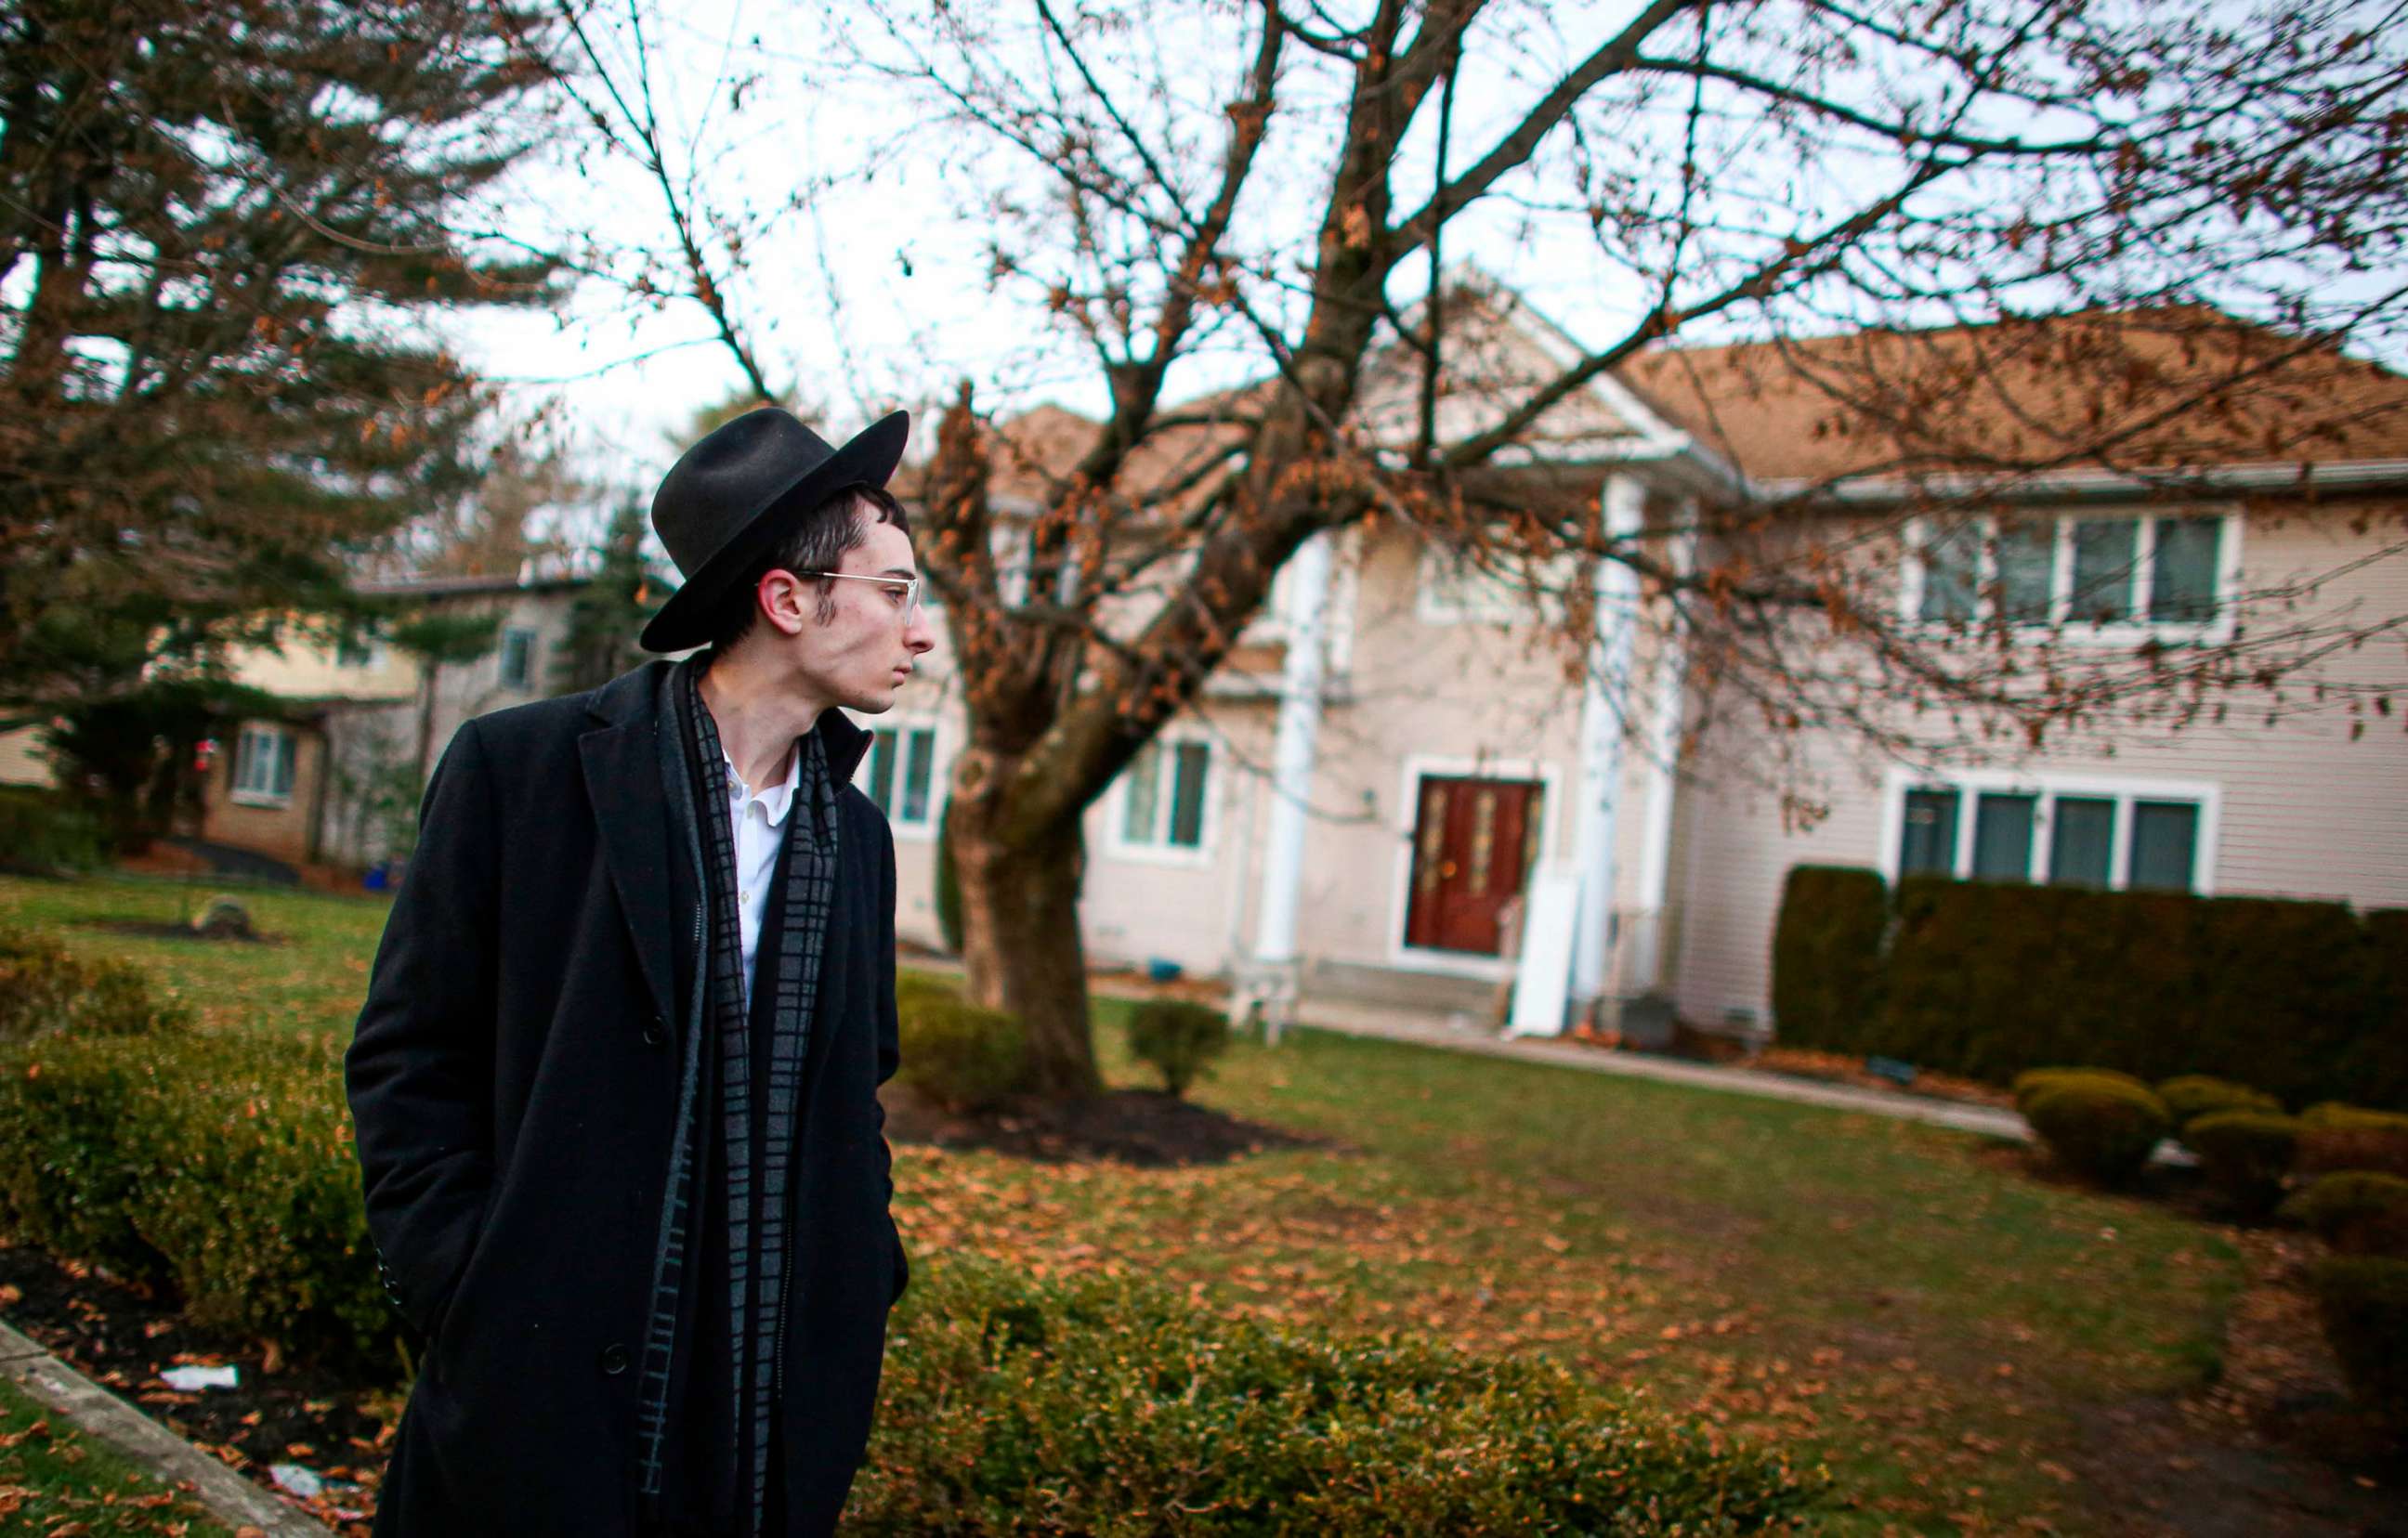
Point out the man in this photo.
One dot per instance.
(614, 1086)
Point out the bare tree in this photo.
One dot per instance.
(1179, 196)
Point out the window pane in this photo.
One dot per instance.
(2165, 843)
(919, 764)
(2081, 840)
(881, 770)
(2104, 551)
(2003, 837)
(246, 760)
(2026, 570)
(285, 748)
(1930, 847)
(1950, 561)
(518, 648)
(1137, 810)
(2183, 587)
(1187, 793)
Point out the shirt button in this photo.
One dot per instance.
(656, 1033)
(614, 1360)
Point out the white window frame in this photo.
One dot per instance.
(1972, 784)
(2060, 620)
(501, 657)
(1439, 580)
(921, 828)
(284, 755)
(1159, 851)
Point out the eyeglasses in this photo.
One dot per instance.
(911, 586)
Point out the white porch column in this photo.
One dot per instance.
(1602, 734)
(1274, 971)
(1668, 702)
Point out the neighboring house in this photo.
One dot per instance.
(22, 762)
(1453, 766)
(334, 778)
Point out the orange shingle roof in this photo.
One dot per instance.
(2030, 393)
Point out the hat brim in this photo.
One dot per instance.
(866, 459)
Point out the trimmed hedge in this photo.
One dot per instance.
(2363, 1301)
(2247, 1156)
(1178, 1037)
(1827, 956)
(2100, 1129)
(42, 832)
(221, 1165)
(2358, 1212)
(44, 991)
(2191, 1096)
(2298, 1000)
(1111, 1408)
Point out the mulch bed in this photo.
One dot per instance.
(1140, 1126)
(123, 1335)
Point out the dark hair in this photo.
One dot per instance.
(816, 543)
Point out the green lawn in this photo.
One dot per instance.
(54, 1477)
(1884, 1296)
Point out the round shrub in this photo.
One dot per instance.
(957, 1055)
(1099, 1406)
(2096, 1126)
(1178, 1037)
(2358, 1212)
(2363, 1301)
(2335, 1136)
(2333, 1116)
(2195, 1095)
(2247, 1156)
(2031, 1081)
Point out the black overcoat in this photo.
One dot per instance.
(512, 1086)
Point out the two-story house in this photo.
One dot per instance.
(1451, 770)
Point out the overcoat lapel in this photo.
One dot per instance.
(622, 780)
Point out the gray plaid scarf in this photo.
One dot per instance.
(760, 1135)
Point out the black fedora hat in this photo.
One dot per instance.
(729, 498)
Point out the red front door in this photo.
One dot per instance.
(1474, 841)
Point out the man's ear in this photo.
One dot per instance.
(782, 597)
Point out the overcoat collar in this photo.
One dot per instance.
(622, 780)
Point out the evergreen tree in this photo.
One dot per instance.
(218, 227)
(608, 612)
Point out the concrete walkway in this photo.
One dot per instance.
(1423, 1030)
(232, 1498)
(1392, 1025)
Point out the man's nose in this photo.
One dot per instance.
(919, 635)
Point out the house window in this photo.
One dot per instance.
(2068, 834)
(900, 772)
(2094, 575)
(355, 649)
(517, 658)
(263, 768)
(1457, 590)
(1163, 796)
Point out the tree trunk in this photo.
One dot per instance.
(427, 668)
(1020, 940)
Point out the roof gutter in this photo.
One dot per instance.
(2337, 478)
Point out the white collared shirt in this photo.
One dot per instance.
(756, 821)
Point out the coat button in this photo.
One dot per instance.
(614, 1360)
(656, 1033)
